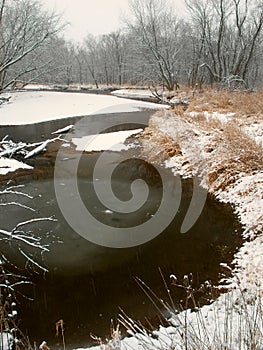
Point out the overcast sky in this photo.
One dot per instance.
(93, 16)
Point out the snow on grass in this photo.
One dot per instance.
(10, 165)
(222, 117)
(247, 195)
(34, 106)
(255, 130)
(113, 141)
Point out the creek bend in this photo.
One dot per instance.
(87, 283)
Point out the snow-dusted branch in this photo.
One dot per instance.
(33, 261)
(8, 148)
(41, 147)
(10, 190)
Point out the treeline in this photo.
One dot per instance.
(219, 42)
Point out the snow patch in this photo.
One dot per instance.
(113, 141)
(10, 165)
(133, 93)
(6, 341)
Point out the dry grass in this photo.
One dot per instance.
(225, 148)
(160, 148)
(239, 154)
(240, 103)
(230, 152)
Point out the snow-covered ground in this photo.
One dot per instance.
(222, 117)
(38, 106)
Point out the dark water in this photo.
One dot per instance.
(41, 131)
(87, 283)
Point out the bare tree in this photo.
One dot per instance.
(157, 32)
(115, 41)
(24, 28)
(90, 50)
(227, 34)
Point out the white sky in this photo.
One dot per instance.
(93, 16)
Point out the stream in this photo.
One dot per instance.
(87, 283)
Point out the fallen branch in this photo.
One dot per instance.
(10, 148)
(41, 147)
(63, 130)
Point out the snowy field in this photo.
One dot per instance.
(31, 107)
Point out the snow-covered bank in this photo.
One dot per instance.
(35, 106)
(228, 161)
